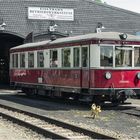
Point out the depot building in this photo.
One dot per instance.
(23, 21)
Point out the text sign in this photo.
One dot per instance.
(50, 13)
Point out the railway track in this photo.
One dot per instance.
(134, 112)
(48, 127)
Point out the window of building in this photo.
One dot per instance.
(40, 59)
(53, 58)
(66, 57)
(106, 56)
(22, 60)
(76, 57)
(30, 59)
(137, 57)
(84, 56)
(123, 56)
(15, 60)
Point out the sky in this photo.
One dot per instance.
(132, 5)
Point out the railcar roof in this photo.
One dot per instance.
(102, 35)
(34, 44)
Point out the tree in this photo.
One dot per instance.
(100, 1)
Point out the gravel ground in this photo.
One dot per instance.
(10, 131)
(110, 122)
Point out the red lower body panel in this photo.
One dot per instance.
(77, 78)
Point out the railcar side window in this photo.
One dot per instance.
(137, 57)
(123, 56)
(76, 57)
(22, 60)
(66, 57)
(106, 56)
(84, 56)
(53, 58)
(12, 60)
(30, 60)
(40, 59)
(15, 60)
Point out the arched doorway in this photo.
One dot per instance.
(7, 41)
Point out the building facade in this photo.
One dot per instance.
(34, 20)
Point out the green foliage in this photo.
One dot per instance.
(100, 1)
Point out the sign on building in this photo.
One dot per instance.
(46, 13)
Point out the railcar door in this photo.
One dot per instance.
(85, 67)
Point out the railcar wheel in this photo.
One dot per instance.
(118, 98)
(138, 96)
(115, 102)
(97, 100)
(29, 91)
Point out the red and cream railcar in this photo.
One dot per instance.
(96, 67)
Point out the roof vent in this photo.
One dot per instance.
(53, 37)
(123, 36)
(99, 27)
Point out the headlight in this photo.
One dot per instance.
(108, 75)
(138, 75)
(123, 36)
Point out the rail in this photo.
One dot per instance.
(48, 127)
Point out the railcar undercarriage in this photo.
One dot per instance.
(86, 95)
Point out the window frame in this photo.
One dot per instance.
(15, 60)
(126, 49)
(53, 61)
(105, 46)
(31, 65)
(22, 64)
(87, 56)
(135, 55)
(66, 65)
(75, 66)
(39, 58)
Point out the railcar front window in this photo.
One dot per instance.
(123, 57)
(30, 60)
(106, 56)
(40, 59)
(66, 57)
(137, 57)
(22, 60)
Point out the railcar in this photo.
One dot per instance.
(95, 67)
